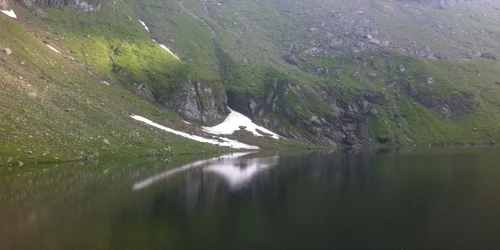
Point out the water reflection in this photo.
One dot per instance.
(234, 168)
(238, 172)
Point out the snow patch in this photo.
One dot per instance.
(10, 13)
(144, 25)
(225, 141)
(186, 122)
(104, 82)
(167, 174)
(54, 49)
(233, 123)
(169, 51)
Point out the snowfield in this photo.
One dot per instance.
(225, 142)
(233, 123)
(9, 13)
(54, 49)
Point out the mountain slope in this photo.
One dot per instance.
(335, 73)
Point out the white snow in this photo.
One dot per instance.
(54, 49)
(165, 175)
(10, 13)
(104, 82)
(169, 51)
(186, 122)
(233, 123)
(225, 141)
(144, 25)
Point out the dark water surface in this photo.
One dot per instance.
(379, 199)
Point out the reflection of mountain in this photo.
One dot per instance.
(235, 169)
(240, 171)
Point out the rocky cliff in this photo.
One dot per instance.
(4, 4)
(76, 5)
(447, 3)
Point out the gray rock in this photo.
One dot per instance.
(355, 74)
(474, 54)
(27, 3)
(291, 59)
(373, 111)
(143, 92)
(76, 5)
(198, 102)
(312, 51)
(6, 51)
(40, 13)
(401, 68)
(490, 56)
(4, 5)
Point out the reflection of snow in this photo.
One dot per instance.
(9, 13)
(233, 123)
(237, 173)
(144, 25)
(225, 141)
(54, 49)
(165, 175)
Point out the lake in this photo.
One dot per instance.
(406, 198)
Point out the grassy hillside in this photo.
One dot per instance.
(336, 63)
(342, 88)
(54, 108)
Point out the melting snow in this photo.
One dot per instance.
(226, 142)
(233, 123)
(10, 13)
(144, 25)
(54, 49)
(165, 175)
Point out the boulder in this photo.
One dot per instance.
(27, 4)
(490, 56)
(474, 54)
(6, 51)
(291, 59)
(40, 13)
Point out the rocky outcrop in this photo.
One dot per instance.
(446, 3)
(143, 92)
(4, 5)
(489, 55)
(198, 102)
(448, 105)
(76, 5)
(338, 124)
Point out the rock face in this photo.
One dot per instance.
(76, 5)
(340, 125)
(143, 92)
(4, 5)
(40, 13)
(198, 102)
(489, 55)
(446, 3)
